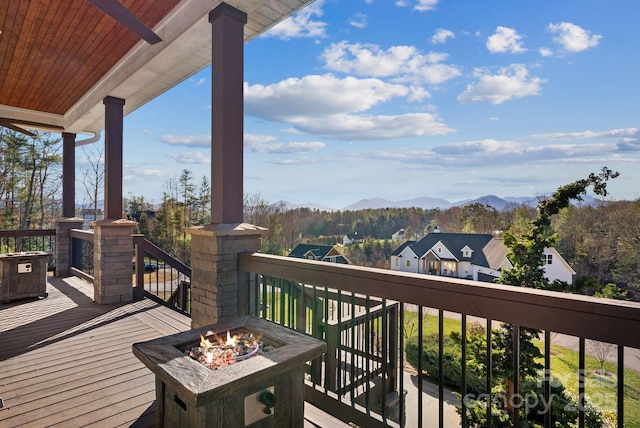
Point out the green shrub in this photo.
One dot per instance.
(452, 374)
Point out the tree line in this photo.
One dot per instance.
(30, 180)
(601, 241)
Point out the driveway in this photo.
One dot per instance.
(429, 403)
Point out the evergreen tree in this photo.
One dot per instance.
(525, 254)
(204, 201)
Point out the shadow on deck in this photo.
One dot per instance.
(67, 361)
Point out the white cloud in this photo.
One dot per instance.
(198, 82)
(402, 63)
(441, 35)
(301, 24)
(528, 151)
(187, 140)
(297, 161)
(511, 82)
(317, 95)
(419, 5)
(505, 153)
(546, 52)
(150, 172)
(267, 144)
(573, 38)
(257, 139)
(324, 105)
(423, 5)
(194, 157)
(614, 133)
(505, 40)
(372, 127)
(359, 20)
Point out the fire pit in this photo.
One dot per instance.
(23, 275)
(260, 388)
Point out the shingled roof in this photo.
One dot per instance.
(320, 252)
(485, 249)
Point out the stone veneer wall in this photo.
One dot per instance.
(214, 269)
(62, 249)
(112, 254)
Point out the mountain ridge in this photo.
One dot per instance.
(426, 202)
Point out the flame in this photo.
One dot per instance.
(231, 341)
(204, 342)
(209, 356)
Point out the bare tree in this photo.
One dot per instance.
(602, 351)
(93, 176)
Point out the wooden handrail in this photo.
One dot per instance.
(160, 254)
(606, 320)
(17, 233)
(85, 235)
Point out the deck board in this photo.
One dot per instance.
(67, 361)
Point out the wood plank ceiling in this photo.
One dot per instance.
(51, 53)
(59, 59)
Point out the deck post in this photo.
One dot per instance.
(68, 175)
(112, 254)
(215, 247)
(62, 248)
(227, 113)
(113, 130)
(215, 282)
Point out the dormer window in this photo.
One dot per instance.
(466, 251)
(439, 249)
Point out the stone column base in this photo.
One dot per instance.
(112, 255)
(62, 249)
(214, 269)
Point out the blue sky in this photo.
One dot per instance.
(353, 99)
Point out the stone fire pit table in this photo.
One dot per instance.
(266, 390)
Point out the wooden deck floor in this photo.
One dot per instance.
(66, 361)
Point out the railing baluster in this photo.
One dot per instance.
(441, 368)
(515, 398)
(620, 406)
(385, 355)
(581, 381)
(420, 357)
(369, 348)
(489, 371)
(353, 347)
(548, 416)
(339, 344)
(401, 364)
(463, 360)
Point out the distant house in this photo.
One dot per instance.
(398, 236)
(88, 215)
(474, 256)
(151, 214)
(325, 253)
(349, 239)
